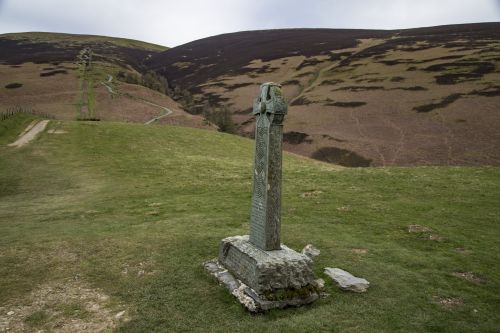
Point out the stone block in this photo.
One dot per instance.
(248, 297)
(266, 272)
(346, 280)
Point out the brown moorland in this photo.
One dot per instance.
(427, 96)
(38, 71)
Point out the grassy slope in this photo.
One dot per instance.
(11, 127)
(72, 38)
(116, 195)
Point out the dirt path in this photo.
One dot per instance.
(30, 133)
(166, 110)
(110, 89)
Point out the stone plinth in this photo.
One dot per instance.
(273, 275)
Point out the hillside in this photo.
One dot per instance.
(105, 225)
(46, 47)
(427, 96)
(40, 72)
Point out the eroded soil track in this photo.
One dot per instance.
(30, 133)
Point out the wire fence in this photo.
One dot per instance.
(24, 110)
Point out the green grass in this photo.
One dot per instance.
(37, 319)
(72, 310)
(109, 196)
(11, 127)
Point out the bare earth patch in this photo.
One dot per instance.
(417, 228)
(434, 237)
(64, 306)
(462, 250)
(360, 251)
(449, 302)
(470, 276)
(425, 231)
(142, 268)
(56, 131)
(311, 194)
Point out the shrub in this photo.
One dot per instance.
(14, 85)
(221, 117)
(149, 80)
(13, 110)
(128, 77)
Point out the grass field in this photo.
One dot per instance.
(112, 217)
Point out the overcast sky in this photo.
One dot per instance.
(174, 22)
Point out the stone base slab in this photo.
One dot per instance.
(248, 297)
(263, 280)
(266, 272)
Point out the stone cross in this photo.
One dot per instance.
(265, 220)
(260, 271)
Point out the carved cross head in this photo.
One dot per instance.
(270, 102)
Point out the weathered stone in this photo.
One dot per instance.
(119, 315)
(311, 251)
(320, 283)
(248, 297)
(346, 280)
(265, 271)
(265, 218)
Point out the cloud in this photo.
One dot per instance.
(166, 22)
(173, 22)
(377, 14)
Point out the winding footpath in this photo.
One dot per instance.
(166, 111)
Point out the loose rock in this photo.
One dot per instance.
(320, 283)
(119, 315)
(346, 281)
(311, 251)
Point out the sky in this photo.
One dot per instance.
(175, 22)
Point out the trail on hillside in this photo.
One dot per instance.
(110, 88)
(30, 133)
(317, 79)
(166, 110)
(318, 74)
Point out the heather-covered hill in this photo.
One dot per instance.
(40, 72)
(426, 96)
(46, 47)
